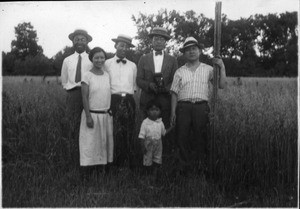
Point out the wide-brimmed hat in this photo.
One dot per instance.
(159, 31)
(81, 32)
(190, 41)
(123, 38)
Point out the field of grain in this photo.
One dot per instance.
(256, 152)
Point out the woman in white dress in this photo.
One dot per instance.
(96, 128)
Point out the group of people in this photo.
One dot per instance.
(101, 106)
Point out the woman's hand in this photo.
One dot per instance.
(89, 122)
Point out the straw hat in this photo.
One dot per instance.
(123, 38)
(81, 32)
(159, 31)
(190, 41)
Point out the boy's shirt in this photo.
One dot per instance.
(153, 130)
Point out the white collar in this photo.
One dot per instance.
(82, 54)
(158, 120)
(116, 58)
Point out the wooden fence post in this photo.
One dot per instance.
(217, 46)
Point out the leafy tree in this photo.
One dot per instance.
(255, 46)
(238, 38)
(33, 65)
(145, 23)
(199, 26)
(278, 38)
(26, 56)
(26, 41)
(178, 25)
(8, 60)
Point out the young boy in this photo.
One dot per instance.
(151, 133)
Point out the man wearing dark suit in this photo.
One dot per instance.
(155, 75)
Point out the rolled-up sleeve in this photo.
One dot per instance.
(175, 87)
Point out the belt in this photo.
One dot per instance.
(75, 88)
(189, 102)
(123, 95)
(102, 111)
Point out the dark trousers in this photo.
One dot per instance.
(192, 134)
(123, 110)
(71, 123)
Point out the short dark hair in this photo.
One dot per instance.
(153, 103)
(96, 50)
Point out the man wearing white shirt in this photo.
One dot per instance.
(73, 68)
(123, 85)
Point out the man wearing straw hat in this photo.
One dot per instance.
(123, 86)
(155, 75)
(190, 110)
(73, 68)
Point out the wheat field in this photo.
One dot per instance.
(256, 159)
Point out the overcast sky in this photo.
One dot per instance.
(104, 20)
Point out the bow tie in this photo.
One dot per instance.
(158, 53)
(121, 60)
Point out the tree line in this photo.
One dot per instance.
(261, 45)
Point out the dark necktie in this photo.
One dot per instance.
(78, 70)
(121, 60)
(158, 53)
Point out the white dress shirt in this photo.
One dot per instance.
(158, 60)
(68, 70)
(122, 76)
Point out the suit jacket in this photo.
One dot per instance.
(146, 71)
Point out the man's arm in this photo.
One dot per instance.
(175, 89)
(222, 80)
(174, 99)
(64, 74)
(174, 68)
(134, 79)
(141, 77)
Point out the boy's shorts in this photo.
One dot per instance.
(154, 152)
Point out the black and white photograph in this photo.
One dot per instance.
(149, 104)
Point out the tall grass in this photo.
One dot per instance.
(257, 133)
(256, 153)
